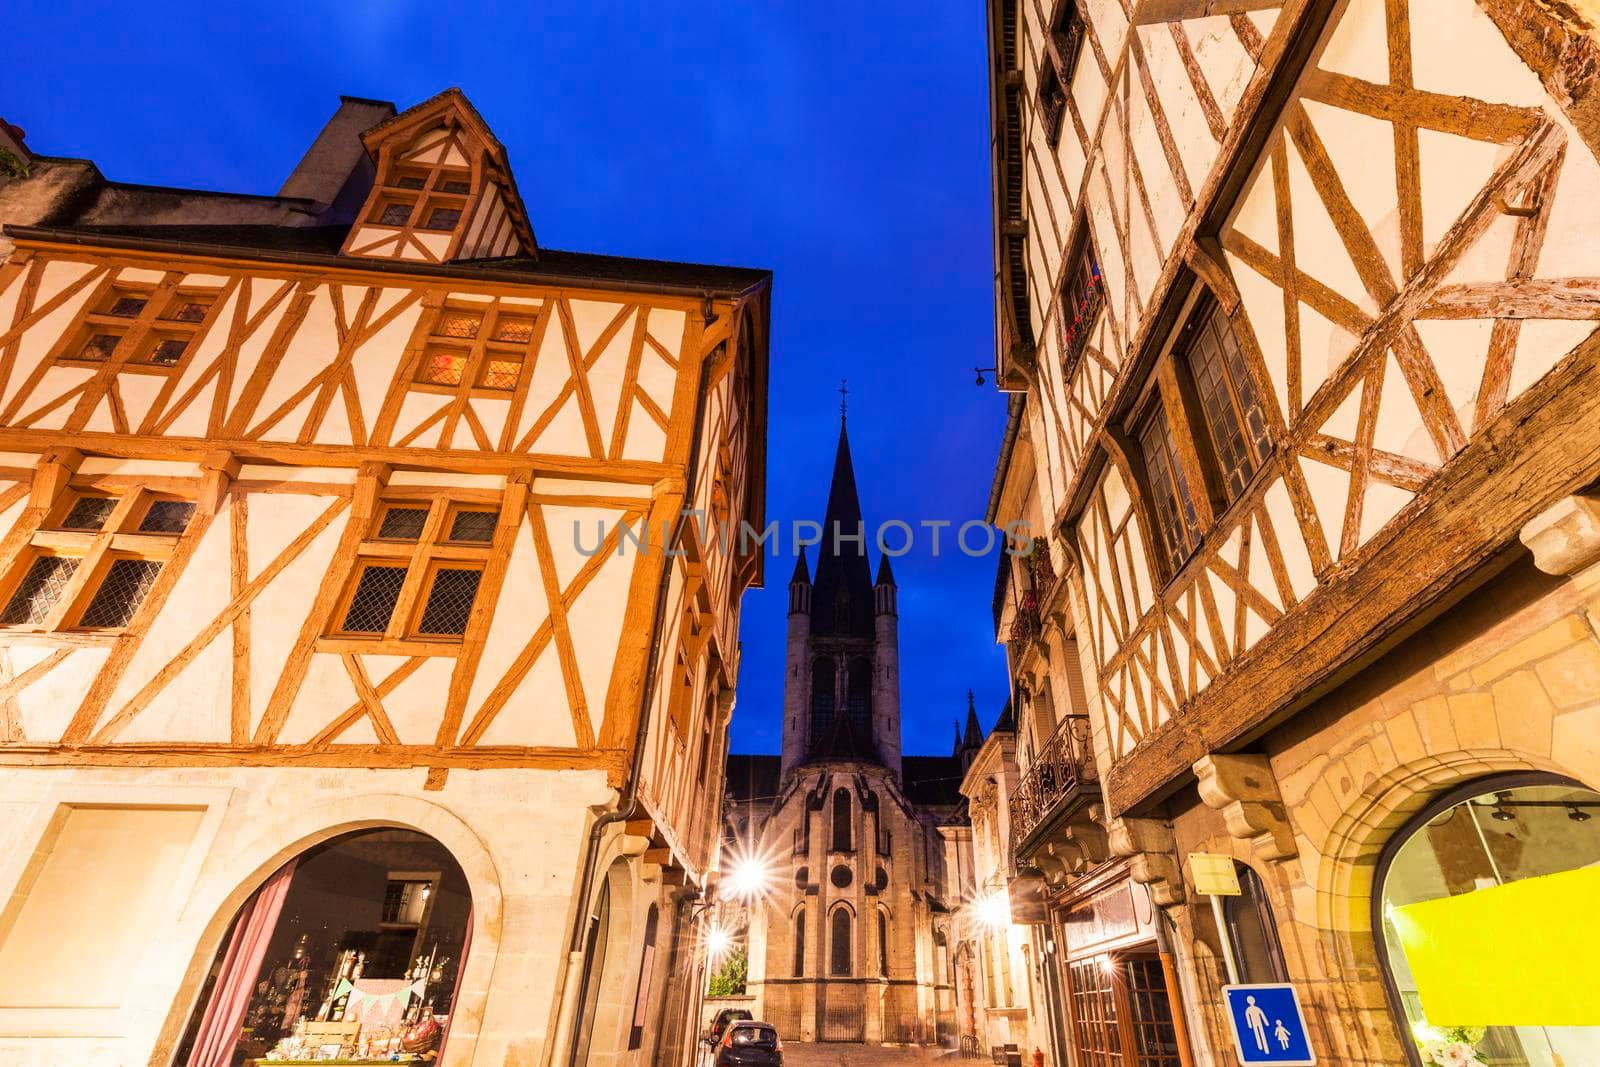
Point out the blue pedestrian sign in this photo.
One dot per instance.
(1267, 1025)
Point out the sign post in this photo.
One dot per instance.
(1267, 1025)
(1215, 877)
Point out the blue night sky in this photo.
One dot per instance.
(841, 145)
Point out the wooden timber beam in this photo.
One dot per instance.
(1453, 531)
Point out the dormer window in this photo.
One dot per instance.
(443, 190)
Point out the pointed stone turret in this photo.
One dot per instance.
(973, 738)
(800, 587)
(796, 674)
(955, 749)
(886, 668)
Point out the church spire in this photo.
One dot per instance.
(841, 602)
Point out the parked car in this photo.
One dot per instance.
(722, 1020)
(750, 1044)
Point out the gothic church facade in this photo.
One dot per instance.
(869, 847)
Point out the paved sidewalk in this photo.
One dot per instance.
(798, 1054)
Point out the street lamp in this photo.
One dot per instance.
(994, 910)
(749, 878)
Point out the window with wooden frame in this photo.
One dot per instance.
(1082, 298)
(1062, 46)
(93, 560)
(148, 327)
(480, 349)
(423, 197)
(417, 572)
(1177, 521)
(1236, 422)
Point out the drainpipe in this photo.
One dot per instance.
(628, 803)
(1169, 971)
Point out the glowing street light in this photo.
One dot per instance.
(994, 910)
(718, 942)
(749, 878)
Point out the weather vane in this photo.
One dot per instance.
(844, 396)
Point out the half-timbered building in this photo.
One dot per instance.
(364, 680)
(1295, 303)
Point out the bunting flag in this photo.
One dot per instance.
(377, 1001)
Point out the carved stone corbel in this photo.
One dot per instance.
(1245, 790)
(1565, 537)
(1152, 856)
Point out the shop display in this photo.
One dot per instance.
(357, 965)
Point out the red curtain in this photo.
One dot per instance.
(219, 1027)
(455, 994)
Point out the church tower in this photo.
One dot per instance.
(842, 668)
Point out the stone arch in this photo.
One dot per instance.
(1346, 865)
(223, 890)
(604, 1005)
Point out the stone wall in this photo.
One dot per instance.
(1505, 680)
(518, 836)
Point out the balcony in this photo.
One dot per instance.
(1062, 780)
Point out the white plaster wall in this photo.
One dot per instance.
(518, 835)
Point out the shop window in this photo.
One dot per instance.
(1440, 879)
(799, 969)
(417, 574)
(341, 955)
(1236, 422)
(1121, 1012)
(839, 948)
(1177, 522)
(1251, 931)
(93, 561)
(842, 837)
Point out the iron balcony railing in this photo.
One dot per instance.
(1060, 771)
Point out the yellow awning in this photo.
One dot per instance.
(1523, 954)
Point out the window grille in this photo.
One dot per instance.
(410, 181)
(182, 310)
(450, 601)
(403, 524)
(89, 513)
(442, 218)
(459, 324)
(510, 328)
(39, 589)
(99, 347)
(166, 352)
(476, 527)
(121, 592)
(167, 516)
(395, 214)
(455, 185)
(443, 367)
(373, 603)
(500, 374)
(128, 306)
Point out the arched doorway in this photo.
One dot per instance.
(609, 960)
(352, 949)
(1499, 857)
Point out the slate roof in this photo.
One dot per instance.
(319, 241)
(932, 780)
(753, 777)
